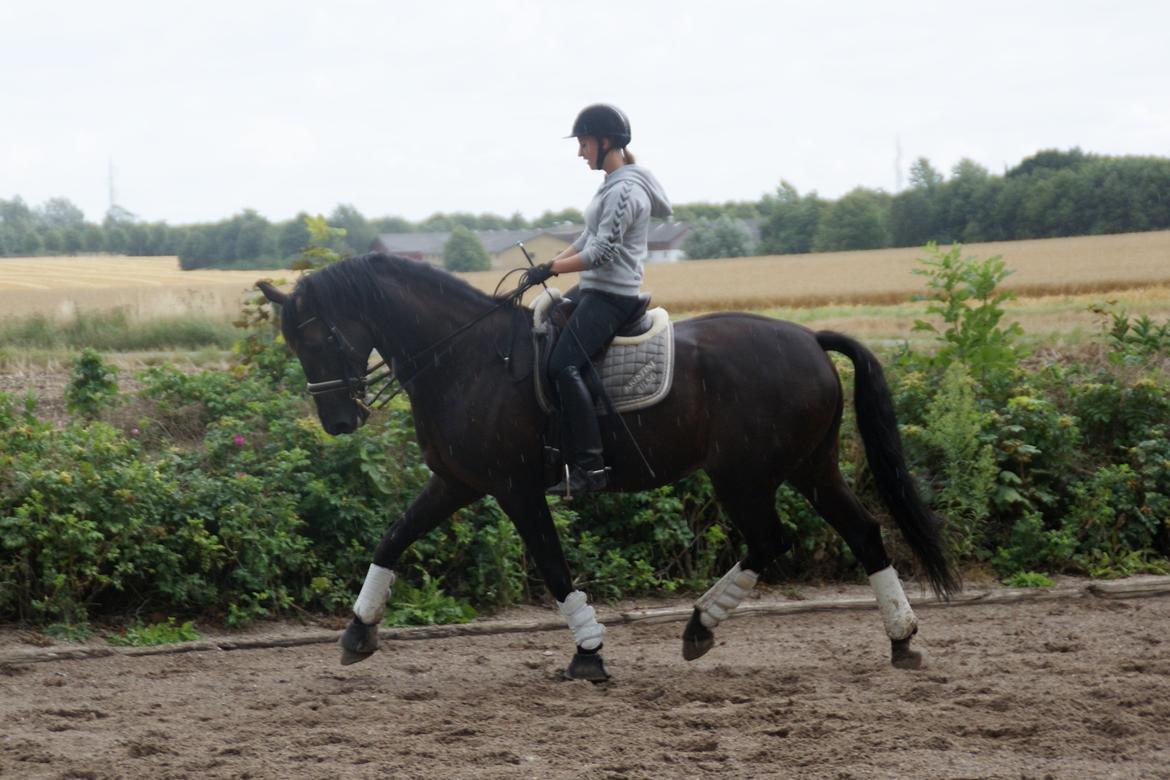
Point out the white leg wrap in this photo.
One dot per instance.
(587, 632)
(371, 602)
(896, 613)
(716, 604)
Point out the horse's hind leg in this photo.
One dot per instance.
(751, 505)
(437, 501)
(835, 502)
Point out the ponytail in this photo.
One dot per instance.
(628, 156)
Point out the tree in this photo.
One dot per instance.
(198, 248)
(116, 215)
(92, 238)
(790, 224)
(554, 218)
(723, 237)
(115, 240)
(74, 238)
(856, 221)
(465, 252)
(923, 174)
(359, 233)
(293, 236)
(1049, 160)
(252, 236)
(393, 225)
(60, 213)
(966, 202)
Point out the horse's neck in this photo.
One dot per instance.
(422, 316)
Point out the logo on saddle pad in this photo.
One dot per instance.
(636, 371)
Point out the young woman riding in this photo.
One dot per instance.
(610, 254)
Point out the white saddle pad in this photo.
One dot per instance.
(636, 371)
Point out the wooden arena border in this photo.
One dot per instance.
(1136, 587)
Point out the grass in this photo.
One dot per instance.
(1049, 319)
(115, 331)
(1028, 579)
(167, 633)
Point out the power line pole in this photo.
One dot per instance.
(110, 182)
(897, 164)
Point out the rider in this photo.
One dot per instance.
(610, 253)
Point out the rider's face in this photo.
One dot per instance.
(587, 148)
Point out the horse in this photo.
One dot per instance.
(755, 402)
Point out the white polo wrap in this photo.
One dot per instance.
(896, 613)
(587, 632)
(716, 604)
(371, 602)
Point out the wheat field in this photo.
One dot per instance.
(1057, 277)
(1088, 264)
(145, 286)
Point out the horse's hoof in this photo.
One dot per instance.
(358, 642)
(697, 638)
(587, 666)
(350, 657)
(902, 657)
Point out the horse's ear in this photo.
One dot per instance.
(271, 293)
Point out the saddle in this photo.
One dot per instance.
(636, 369)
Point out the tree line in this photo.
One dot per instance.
(1052, 193)
(1048, 195)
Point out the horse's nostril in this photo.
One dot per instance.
(341, 427)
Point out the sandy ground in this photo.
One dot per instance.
(1061, 689)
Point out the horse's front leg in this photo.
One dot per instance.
(531, 516)
(438, 500)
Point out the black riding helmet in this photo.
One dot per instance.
(602, 120)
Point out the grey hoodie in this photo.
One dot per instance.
(617, 222)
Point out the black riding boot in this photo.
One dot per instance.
(587, 471)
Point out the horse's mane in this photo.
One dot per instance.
(358, 284)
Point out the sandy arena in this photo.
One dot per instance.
(1070, 688)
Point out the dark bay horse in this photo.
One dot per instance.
(755, 402)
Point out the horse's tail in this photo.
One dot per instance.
(883, 449)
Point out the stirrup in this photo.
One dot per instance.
(578, 480)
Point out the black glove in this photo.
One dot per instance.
(538, 274)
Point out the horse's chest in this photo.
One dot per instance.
(461, 437)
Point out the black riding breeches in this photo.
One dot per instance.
(598, 316)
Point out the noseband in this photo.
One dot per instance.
(355, 384)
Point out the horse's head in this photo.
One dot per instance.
(333, 350)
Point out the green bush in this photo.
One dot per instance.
(963, 294)
(964, 466)
(91, 384)
(426, 605)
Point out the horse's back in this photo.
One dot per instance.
(766, 385)
(750, 348)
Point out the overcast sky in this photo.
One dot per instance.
(409, 108)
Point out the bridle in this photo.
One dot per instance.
(359, 384)
(354, 383)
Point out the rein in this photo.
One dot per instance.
(358, 385)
